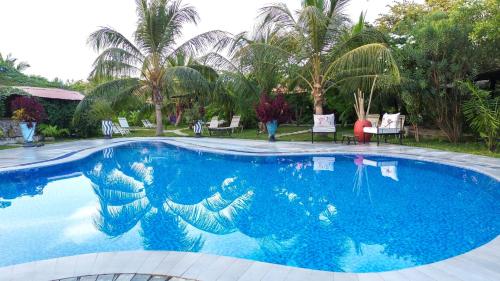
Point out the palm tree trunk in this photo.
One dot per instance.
(318, 100)
(158, 101)
(159, 120)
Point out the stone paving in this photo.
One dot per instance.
(481, 264)
(124, 277)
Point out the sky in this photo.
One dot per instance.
(51, 35)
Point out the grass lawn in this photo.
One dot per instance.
(2, 147)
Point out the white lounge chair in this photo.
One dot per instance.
(324, 124)
(117, 129)
(124, 124)
(235, 125)
(392, 124)
(147, 124)
(213, 125)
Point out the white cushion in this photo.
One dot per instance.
(324, 130)
(324, 120)
(370, 130)
(390, 121)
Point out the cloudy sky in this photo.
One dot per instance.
(51, 34)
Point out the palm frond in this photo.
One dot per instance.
(216, 39)
(183, 80)
(106, 37)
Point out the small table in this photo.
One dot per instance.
(349, 138)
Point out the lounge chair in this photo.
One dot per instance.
(392, 124)
(117, 129)
(213, 125)
(324, 124)
(124, 124)
(235, 125)
(147, 124)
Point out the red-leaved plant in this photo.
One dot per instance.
(269, 109)
(27, 109)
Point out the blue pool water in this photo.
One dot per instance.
(336, 213)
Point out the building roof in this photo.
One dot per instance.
(53, 93)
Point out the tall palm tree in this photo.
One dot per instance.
(326, 56)
(145, 68)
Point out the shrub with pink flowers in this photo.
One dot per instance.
(269, 109)
(27, 109)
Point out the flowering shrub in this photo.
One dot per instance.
(269, 109)
(27, 109)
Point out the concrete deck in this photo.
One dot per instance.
(481, 264)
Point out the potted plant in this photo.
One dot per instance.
(359, 107)
(28, 112)
(272, 112)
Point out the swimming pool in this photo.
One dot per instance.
(337, 213)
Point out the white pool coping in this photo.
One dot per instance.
(481, 264)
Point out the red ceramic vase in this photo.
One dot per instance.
(358, 130)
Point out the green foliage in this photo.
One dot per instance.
(483, 114)
(10, 76)
(6, 93)
(435, 51)
(59, 112)
(53, 131)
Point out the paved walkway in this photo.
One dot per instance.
(481, 264)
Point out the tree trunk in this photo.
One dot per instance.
(318, 99)
(178, 118)
(159, 120)
(158, 101)
(417, 133)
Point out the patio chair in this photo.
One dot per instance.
(213, 125)
(392, 124)
(124, 124)
(324, 124)
(117, 129)
(235, 125)
(151, 125)
(388, 169)
(147, 124)
(374, 119)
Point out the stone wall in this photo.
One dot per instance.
(10, 128)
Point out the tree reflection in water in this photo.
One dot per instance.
(352, 213)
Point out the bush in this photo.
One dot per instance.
(269, 109)
(59, 112)
(28, 109)
(53, 131)
(483, 114)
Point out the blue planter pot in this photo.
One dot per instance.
(28, 133)
(272, 127)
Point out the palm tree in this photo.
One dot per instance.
(328, 51)
(11, 62)
(145, 68)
